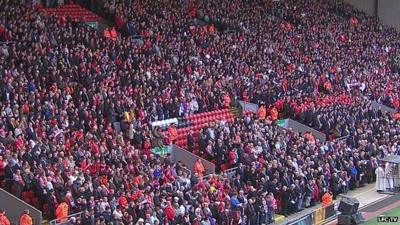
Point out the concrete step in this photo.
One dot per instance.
(279, 218)
(235, 111)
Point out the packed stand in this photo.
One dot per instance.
(301, 171)
(335, 120)
(64, 86)
(309, 48)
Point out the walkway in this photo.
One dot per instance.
(377, 208)
(365, 195)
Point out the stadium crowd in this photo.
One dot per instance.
(64, 85)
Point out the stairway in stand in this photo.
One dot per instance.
(235, 112)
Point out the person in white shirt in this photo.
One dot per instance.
(194, 106)
(380, 179)
(117, 214)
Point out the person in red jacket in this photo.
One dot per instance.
(62, 212)
(274, 114)
(113, 34)
(172, 133)
(169, 213)
(262, 112)
(199, 167)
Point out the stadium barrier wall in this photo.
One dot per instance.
(247, 106)
(301, 128)
(14, 208)
(382, 107)
(230, 172)
(319, 216)
(189, 159)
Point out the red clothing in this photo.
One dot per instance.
(25, 219)
(113, 34)
(199, 168)
(274, 114)
(4, 220)
(123, 201)
(62, 212)
(170, 213)
(315, 193)
(172, 133)
(1, 168)
(262, 112)
(19, 143)
(107, 33)
(119, 23)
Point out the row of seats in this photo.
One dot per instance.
(200, 121)
(72, 10)
(204, 114)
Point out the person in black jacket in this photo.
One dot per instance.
(293, 199)
(308, 194)
(285, 197)
(88, 218)
(251, 212)
(335, 185)
(190, 141)
(8, 175)
(52, 204)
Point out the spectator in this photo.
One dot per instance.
(327, 199)
(3, 218)
(72, 98)
(62, 212)
(25, 218)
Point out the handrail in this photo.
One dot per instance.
(54, 222)
(7, 42)
(137, 36)
(228, 171)
(315, 216)
(186, 170)
(342, 138)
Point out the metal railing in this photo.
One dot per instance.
(7, 42)
(137, 36)
(54, 222)
(316, 217)
(187, 171)
(341, 138)
(230, 172)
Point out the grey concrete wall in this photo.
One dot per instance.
(388, 10)
(14, 208)
(247, 106)
(188, 158)
(301, 128)
(381, 107)
(368, 6)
